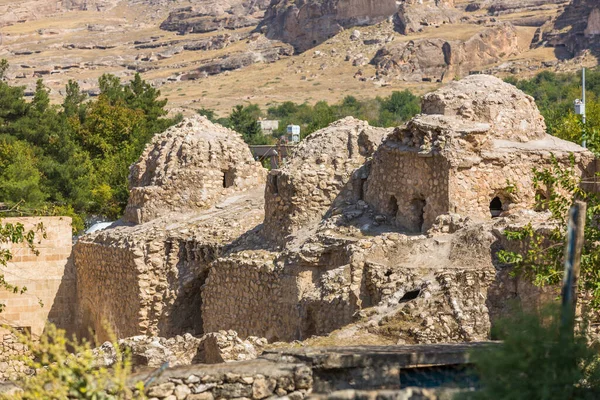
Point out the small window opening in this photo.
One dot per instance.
(227, 179)
(496, 207)
(274, 183)
(393, 206)
(418, 207)
(361, 189)
(408, 296)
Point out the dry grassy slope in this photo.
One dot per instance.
(304, 77)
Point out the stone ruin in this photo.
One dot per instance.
(333, 232)
(189, 167)
(365, 235)
(471, 152)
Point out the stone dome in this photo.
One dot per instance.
(190, 166)
(511, 114)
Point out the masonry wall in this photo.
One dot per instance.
(409, 188)
(511, 180)
(251, 297)
(108, 290)
(48, 276)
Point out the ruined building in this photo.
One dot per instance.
(374, 234)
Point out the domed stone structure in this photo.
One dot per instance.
(510, 113)
(190, 167)
(472, 153)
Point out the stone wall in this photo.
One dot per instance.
(109, 290)
(412, 200)
(48, 277)
(257, 379)
(473, 152)
(316, 174)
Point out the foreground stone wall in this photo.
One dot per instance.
(48, 277)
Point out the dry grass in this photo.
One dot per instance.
(301, 78)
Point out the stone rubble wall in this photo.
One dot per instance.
(252, 297)
(11, 350)
(316, 175)
(109, 290)
(510, 179)
(252, 380)
(405, 195)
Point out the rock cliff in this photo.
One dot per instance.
(26, 10)
(575, 30)
(415, 15)
(307, 23)
(437, 60)
(207, 16)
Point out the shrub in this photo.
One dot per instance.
(66, 369)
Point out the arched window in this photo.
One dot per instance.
(496, 207)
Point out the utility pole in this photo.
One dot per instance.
(580, 108)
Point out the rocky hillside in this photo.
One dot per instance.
(575, 30)
(307, 23)
(217, 54)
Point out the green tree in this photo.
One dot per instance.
(243, 120)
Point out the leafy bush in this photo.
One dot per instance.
(538, 359)
(66, 369)
(543, 257)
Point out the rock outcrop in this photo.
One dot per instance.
(26, 10)
(575, 30)
(190, 167)
(307, 23)
(415, 15)
(437, 60)
(215, 15)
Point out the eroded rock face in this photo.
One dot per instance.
(415, 15)
(316, 174)
(574, 31)
(25, 10)
(307, 23)
(190, 167)
(438, 60)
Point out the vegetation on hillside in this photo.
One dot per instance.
(387, 111)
